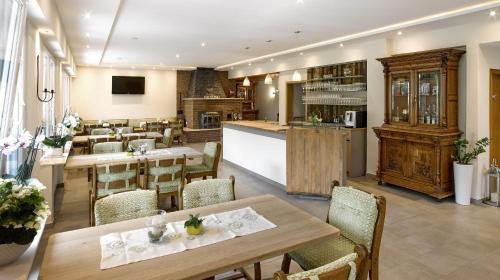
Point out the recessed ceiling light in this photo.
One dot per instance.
(135, 38)
(301, 53)
(271, 59)
(87, 34)
(493, 13)
(400, 33)
(232, 67)
(133, 67)
(87, 46)
(177, 56)
(249, 64)
(86, 15)
(300, 1)
(341, 45)
(269, 41)
(203, 44)
(154, 68)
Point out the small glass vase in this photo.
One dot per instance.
(156, 225)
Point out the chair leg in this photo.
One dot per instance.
(172, 199)
(204, 177)
(373, 270)
(285, 264)
(257, 272)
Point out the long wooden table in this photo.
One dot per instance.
(87, 161)
(77, 254)
(83, 139)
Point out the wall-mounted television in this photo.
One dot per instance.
(128, 85)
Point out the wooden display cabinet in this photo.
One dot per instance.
(420, 121)
(248, 94)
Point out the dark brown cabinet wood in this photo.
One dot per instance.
(420, 121)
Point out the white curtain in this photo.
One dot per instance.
(12, 23)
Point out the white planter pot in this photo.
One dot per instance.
(11, 252)
(463, 182)
(54, 152)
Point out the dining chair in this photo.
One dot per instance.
(167, 139)
(154, 126)
(349, 267)
(207, 192)
(124, 129)
(111, 178)
(209, 164)
(103, 146)
(100, 131)
(360, 217)
(124, 205)
(177, 131)
(167, 174)
(136, 144)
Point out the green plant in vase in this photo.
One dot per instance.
(194, 225)
(130, 151)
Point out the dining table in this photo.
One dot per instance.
(83, 139)
(88, 160)
(77, 254)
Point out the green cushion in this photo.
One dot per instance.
(346, 260)
(322, 253)
(100, 131)
(207, 192)
(354, 212)
(166, 187)
(194, 168)
(125, 206)
(107, 147)
(209, 154)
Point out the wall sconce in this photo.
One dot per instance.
(47, 95)
(276, 92)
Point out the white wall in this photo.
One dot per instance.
(91, 94)
(263, 155)
(265, 101)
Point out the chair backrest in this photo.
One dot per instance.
(124, 129)
(359, 216)
(110, 178)
(124, 205)
(211, 155)
(165, 173)
(154, 126)
(136, 144)
(100, 131)
(168, 137)
(107, 147)
(176, 127)
(350, 267)
(207, 192)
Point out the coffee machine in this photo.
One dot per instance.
(355, 119)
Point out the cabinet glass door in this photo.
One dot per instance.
(400, 97)
(429, 94)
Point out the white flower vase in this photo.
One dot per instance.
(463, 182)
(54, 152)
(11, 252)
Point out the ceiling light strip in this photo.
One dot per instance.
(112, 30)
(376, 31)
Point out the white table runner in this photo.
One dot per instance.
(134, 246)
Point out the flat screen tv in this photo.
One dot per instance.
(127, 85)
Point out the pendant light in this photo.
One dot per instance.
(268, 80)
(296, 75)
(246, 82)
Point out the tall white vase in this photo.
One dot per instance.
(463, 182)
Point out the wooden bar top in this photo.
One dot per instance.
(262, 125)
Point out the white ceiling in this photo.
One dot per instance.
(166, 28)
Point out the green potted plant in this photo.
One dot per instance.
(55, 144)
(22, 210)
(130, 150)
(463, 169)
(194, 225)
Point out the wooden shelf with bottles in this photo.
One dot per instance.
(420, 121)
(330, 90)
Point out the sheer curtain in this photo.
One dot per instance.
(12, 23)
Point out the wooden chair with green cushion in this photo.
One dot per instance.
(177, 130)
(136, 144)
(167, 139)
(349, 267)
(154, 126)
(102, 146)
(124, 129)
(100, 131)
(167, 175)
(207, 192)
(125, 205)
(209, 164)
(360, 217)
(111, 178)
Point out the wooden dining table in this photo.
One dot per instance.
(87, 161)
(77, 254)
(83, 139)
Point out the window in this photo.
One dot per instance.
(65, 92)
(49, 84)
(12, 21)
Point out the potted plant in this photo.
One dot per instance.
(194, 225)
(463, 169)
(130, 150)
(72, 122)
(56, 143)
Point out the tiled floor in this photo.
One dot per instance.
(422, 239)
